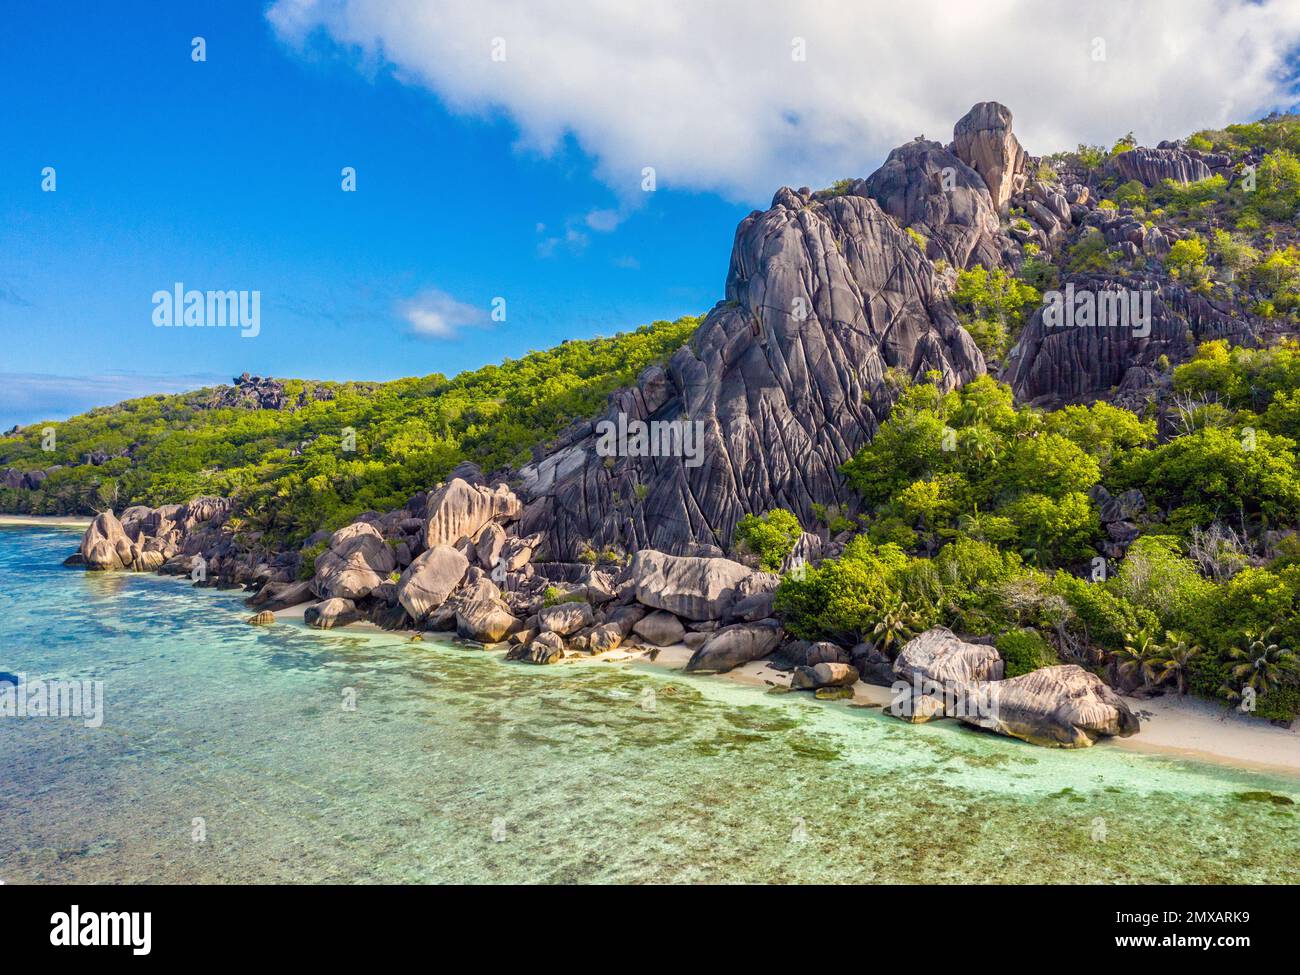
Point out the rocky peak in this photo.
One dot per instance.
(983, 140)
(784, 381)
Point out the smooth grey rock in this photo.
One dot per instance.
(937, 655)
(660, 628)
(565, 618)
(357, 560)
(1063, 706)
(694, 588)
(824, 675)
(732, 646)
(329, 613)
(429, 580)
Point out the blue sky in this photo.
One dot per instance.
(519, 179)
(226, 174)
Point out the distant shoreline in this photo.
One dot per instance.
(47, 521)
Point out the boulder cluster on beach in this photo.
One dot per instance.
(453, 561)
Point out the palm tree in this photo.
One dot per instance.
(1140, 656)
(1261, 664)
(1174, 657)
(896, 624)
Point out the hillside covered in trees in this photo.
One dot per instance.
(277, 448)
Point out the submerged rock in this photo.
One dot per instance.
(547, 648)
(262, 619)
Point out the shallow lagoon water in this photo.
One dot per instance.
(457, 766)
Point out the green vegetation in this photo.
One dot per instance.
(992, 306)
(979, 516)
(1024, 651)
(771, 537)
(286, 470)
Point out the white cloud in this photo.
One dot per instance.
(708, 93)
(436, 314)
(603, 221)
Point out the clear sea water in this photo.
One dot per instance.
(457, 766)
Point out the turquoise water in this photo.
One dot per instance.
(457, 766)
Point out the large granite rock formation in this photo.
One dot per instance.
(1063, 706)
(357, 560)
(983, 139)
(459, 510)
(930, 189)
(1055, 364)
(696, 588)
(1151, 167)
(786, 379)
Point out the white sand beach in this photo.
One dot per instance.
(1186, 727)
(47, 521)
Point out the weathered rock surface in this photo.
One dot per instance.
(547, 648)
(263, 618)
(330, 613)
(565, 618)
(824, 675)
(694, 588)
(926, 187)
(824, 295)
(429, 580)
(1059, 364)
(1063, 706)
(459, 510)
(732, 646)
(938, 655)
(357, 560)
(105, 545)
(484, 619)
(982, 139)
(1151, 167)
(660, 628)
(606, 637)
(275, 596)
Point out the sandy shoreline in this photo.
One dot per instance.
(46, 521)
(1193, 728)
(1182, 728)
